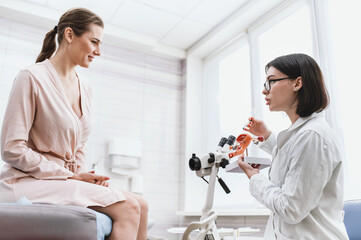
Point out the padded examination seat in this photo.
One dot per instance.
(24, 220)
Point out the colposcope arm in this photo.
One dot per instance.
(210, 192)
(207, 222)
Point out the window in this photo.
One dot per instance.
(227, 92)
(234, 91)
(228, 100)
(346, 35)
(290, 35)
(235, 109)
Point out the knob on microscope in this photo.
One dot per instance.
(194, 163)
(224, 162)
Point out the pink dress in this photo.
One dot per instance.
(42, 143)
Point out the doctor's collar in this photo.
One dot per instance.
(302, 120)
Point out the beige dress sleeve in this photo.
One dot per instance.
(16, 147)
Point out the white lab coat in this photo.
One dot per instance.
(305, 187)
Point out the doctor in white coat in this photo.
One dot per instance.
(304, 190)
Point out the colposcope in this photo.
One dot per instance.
(209, 164)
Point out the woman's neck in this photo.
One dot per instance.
(293, 116)
(63, 64)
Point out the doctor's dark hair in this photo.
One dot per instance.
(78, 19)
(313, 96)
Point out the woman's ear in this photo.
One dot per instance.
(298, 83)
(69, 34)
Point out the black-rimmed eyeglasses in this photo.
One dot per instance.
(267, 84)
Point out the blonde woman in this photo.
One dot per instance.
(46, 126)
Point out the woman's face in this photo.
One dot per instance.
(85, 47)
(282, 95)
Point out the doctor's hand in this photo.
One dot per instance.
(248, 169)
(91, 177)
(258, 127)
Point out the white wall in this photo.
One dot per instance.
(135, 95)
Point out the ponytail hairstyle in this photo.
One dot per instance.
(78, 19)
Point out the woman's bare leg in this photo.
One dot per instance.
(143, 224)
(126, 218)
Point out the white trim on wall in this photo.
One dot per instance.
(194, 129)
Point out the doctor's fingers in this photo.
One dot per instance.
(256, 166)
(242, 164)
(257, 127)
(249, 124)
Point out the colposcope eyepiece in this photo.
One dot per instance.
(194, 163)
(222, 142)
(231, 139)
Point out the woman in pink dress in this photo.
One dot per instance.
(47, 123)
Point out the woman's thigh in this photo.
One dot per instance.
(66, 192)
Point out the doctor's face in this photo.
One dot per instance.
(279, 91)
(87, 46)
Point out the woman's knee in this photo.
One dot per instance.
(143, 205)
(132, 206)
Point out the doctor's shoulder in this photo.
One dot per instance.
(322, 130)
(319, 125)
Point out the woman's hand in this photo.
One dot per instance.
(91, 177)
(248, 169)
(257, 127)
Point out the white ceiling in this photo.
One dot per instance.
(165, 26)
(175, 23)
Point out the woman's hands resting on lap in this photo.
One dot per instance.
(91, 177)
(258, 128)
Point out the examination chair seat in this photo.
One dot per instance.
(24, 220)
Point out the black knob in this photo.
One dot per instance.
(211, 158)
(224, 162)
(194, 163)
